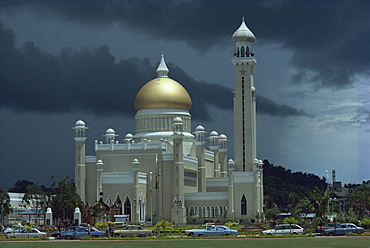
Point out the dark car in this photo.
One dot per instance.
(343, 229)
(58, 234)
(321, 229)
(80, 231)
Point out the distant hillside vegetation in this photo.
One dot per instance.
(279, 183)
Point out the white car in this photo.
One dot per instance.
(33, 233)
(14, 228)
(285, 229)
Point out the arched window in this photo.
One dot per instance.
(243, 205)
(242, 52)
(127, 206)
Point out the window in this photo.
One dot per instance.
(243, 205)
(127, 206)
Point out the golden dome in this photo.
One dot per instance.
(162, 92)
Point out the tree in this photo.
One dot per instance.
(319, 201)
(290, 221)
(20, 186)
(164, 224)
(272, 213)
(294, 199)
(279, 183)
(4, 203)
(99, 211)
(303, 207)
(366, 222)
(64, 199)
(28, 228)
(359, 200)
(35, 198)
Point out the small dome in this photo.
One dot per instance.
(177, 120)
(243, 34)
(213, 133)
(129, 136)
(110, 131)
(200, 128)
(223, 137)
(80, 123)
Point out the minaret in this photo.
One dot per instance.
(244, 100)
(200, 154)
(80, 171)
(223, 155)
(214, 146)
(178, 215)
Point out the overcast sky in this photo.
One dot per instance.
(61, 61)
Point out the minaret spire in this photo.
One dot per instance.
(162, 69)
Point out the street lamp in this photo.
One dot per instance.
(178, 202)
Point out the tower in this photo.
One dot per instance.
(248, 183)
(244, 100)
(80, 160)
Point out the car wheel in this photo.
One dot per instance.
(68, 237)
(95, 236)
(200, 235)
(116, 235)
(331, 234)
(141, 236)
(58, 236)
(36, 237)
(191, 234)
(294, 233)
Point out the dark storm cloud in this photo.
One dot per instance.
(329, 39)
(268, 107)
(90, 80)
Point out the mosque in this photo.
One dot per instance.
(165, 170)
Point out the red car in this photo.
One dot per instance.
(321, 229)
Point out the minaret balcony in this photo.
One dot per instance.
(243, 60)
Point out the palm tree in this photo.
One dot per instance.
(28, 228)
(319, 201)
(359, 200)
(303, 207)
(164, 224)
(290, 221)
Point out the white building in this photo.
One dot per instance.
(165, 162)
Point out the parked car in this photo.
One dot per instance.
(213, 230)
(284, 229)
(81, 231)
(119, 225)
(58, 234)
(320, 229)
(190, 232)
(132, 230)
(15, 228)
(24, 233)
(343, 229)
